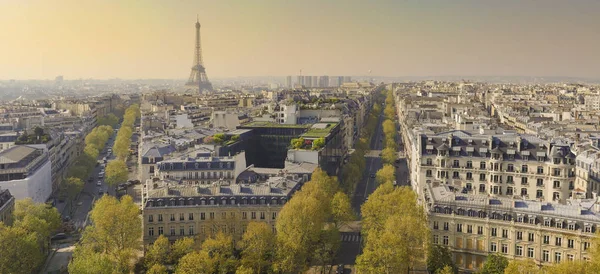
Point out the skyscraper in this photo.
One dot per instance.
(308, 81)
(300, 80)
(288, 81)
(315, 81)
(324, 81)
(339, 81)
(347, 79)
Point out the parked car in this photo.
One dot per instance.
(99, 183)
(340, 269)
(59, 236)
(372, 175)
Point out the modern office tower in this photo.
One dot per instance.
(315, 81)
(347, 79)
(324, 81)
(308, 81)
(300, 80)
(339, 81)
(288, 81)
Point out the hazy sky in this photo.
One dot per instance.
(155, 39)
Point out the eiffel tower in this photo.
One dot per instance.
(198, 78)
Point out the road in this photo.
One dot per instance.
(352, 241)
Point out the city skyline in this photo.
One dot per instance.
(148, 40)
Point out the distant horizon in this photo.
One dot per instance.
(154, 39)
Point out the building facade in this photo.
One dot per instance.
(7, 206)
(177, 211)
(509, 165)
(474, 226)
(26, 172)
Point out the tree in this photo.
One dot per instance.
(438, 258)
(220, 249)
(21, 252)
(318, 143)
(158, 253)
(297, 143)
(86, 261)
(395, 230)
(198, 262)
(219, 138)
(235, 137)
(37, 219)
(446, 270)
(495, 264)
(181, 247)
(116, 172)
(109, 120)
(522, 267)
(387, 174)
(389, 155)
(38, 131)
(91, 151)
(257, 246)
(341, 210)
(70, 188)
(157, 269)
(325, 250)
(116, 226)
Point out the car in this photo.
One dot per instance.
(99, 183)
(340, 269)
(372, 175)
(100, 192)
(397, 161)
(59, 236)
(79, 203)
(66, 218)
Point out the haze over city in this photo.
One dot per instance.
(155, 39)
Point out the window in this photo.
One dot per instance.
(557, 256)
(191, 230)
(540, 170)
(202, 216)
(172, 231)
(570, 243)
(570, 257)
(586, 245)
(469, 228)
(428, 173)
(191, 216)
(539, 193)
(181, 217)
(530, 252)
(482, 165)
(546, 256)
(523, 180)
(505, 248)
(455, 175)
(469, 176)
(160, 230)
(244, 215)
(435, 239)
(556, 184)
(494, 231)
(150, 218)
(469, 164)
(262, 215)
(181, 231)
(558, 241)
(519, 235)
(540, 182)
(446, 225)
(524, 169)
(519, 251)
(435, 225)
(480, 230)
(531, 237)
(459, 228)
(524, 191)
(493, 247)
(445, 240)
(504, 233)
(253, 215)
(429, 162)
(510, 168)
(482, 177)
(455, 163)
(509, 191)
(151, 231)
(212, 215)
(160, 219)
(546, 239)
(274, 215)
(172, 218)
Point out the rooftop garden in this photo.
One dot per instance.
(221, 139)
(319, 130)
(38, 137)
(271, 124)
(301, 143)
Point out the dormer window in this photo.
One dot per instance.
(470, 141)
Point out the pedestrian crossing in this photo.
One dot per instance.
(350, 237)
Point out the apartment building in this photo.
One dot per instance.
(510, 165)
(178, 210)
(26, 172)
(202, 169)
(7, 206)
(473, 226)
